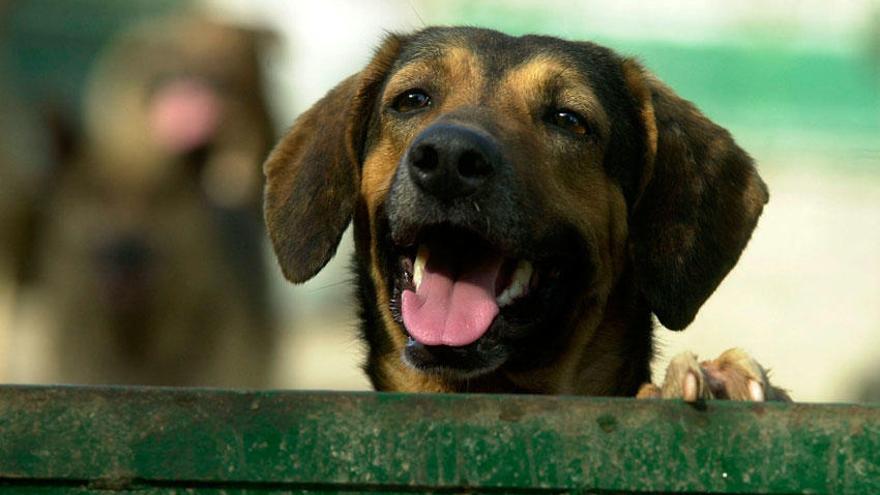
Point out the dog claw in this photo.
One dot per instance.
(756, 391)
(734, 375)
(690, 388)
(684, 379)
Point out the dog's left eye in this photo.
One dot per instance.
(411, 99)
(570, 121)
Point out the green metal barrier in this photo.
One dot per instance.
(164, 441)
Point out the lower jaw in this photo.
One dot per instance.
(447, 361)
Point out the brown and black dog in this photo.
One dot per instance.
(521, 207)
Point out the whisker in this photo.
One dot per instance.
(416, 12)
(346, 281)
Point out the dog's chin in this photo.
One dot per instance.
(468, 307)
(456, 363)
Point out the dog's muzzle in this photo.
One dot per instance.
(461, 274)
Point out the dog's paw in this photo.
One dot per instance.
(734, 375)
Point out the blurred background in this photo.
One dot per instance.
(133, 251)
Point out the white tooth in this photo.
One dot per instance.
(504, 299)
(523, 274)
(419, 265)
(518, 284)
(509, 294)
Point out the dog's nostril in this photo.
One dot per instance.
(425, 158)
(473, 165)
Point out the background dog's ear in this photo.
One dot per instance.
(312, 175)
(701, 198)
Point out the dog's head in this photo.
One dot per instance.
(501, 187)
(164, 170)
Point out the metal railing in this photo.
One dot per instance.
(163, 440)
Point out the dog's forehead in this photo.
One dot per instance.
(475, 67)
(497, 53)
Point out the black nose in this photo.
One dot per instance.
(450, 161)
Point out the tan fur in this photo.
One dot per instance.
(378, 170)
(523, 85)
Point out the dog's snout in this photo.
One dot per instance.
(450, 161)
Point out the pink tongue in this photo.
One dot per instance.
(184, 114)
(450, 311)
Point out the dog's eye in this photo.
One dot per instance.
(411, 99)
(570, 121)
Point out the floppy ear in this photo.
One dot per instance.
(312, 175)
(701, 198)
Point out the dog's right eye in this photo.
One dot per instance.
(410, 100)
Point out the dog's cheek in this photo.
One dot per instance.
(618, 230)
(378, 171)
(595, 205)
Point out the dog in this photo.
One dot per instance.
(521, 206)
(149, 258)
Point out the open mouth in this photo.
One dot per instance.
(455, 285)
(471, 302)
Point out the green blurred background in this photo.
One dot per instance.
(770, 71)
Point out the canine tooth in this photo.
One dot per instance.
(509, 294)
(419, 265)
(518, 285)
(523, 274)
(504, 298)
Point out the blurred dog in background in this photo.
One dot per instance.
(148, 254)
